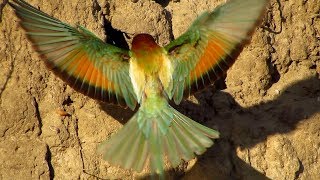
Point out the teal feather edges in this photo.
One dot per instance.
(151, 137)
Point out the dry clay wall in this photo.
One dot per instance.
(268, 111)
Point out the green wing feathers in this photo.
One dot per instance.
(155, 135)
(78, 57)
(212, 44)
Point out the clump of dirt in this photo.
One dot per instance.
(268, 114)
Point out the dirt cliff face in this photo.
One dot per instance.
(268, 109)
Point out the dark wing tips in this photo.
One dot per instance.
(92, 91)
(216, 72)
(97, 93)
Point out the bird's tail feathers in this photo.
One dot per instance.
(149, 138)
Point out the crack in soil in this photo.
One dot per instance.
(38, 116)
(168, 16)
(79, 143)
(282, 19)
(48, 159)
(300, 170)
(11, 66)
(2, 5)
(84, 170)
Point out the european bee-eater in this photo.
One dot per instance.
(148, 75)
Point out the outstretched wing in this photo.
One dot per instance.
(90, 66)
(211, 45)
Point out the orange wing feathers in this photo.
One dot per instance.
(213, 54)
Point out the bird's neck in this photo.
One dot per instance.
(147, 53)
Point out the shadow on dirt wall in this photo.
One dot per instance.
(240, 127)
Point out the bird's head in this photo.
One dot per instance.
(144, 44)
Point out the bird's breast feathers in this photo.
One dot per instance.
(145, 73)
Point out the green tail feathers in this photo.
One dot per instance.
(154, 134)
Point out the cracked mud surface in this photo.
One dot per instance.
(268, 109)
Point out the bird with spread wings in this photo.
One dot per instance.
(148, 75)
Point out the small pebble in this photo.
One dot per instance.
(62, 112)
